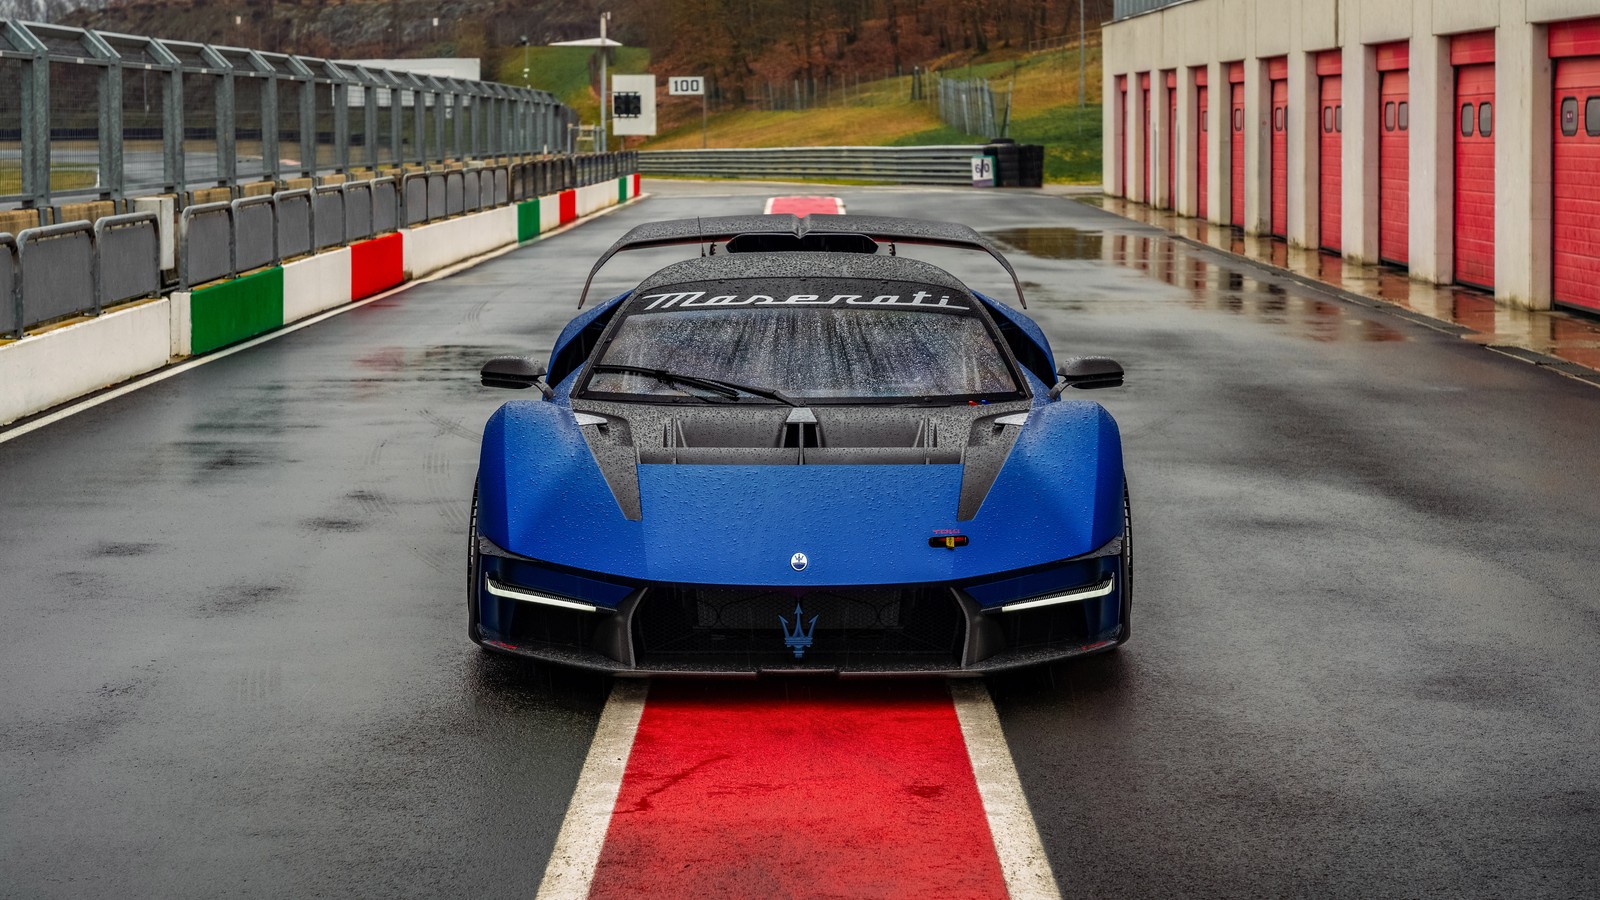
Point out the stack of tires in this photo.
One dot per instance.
(1016, 165)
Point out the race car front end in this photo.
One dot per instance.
(851, 569)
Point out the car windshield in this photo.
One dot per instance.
(806, 339)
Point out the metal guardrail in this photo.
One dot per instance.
(57, 268)
(127, 258)
(110, 116)
(225, 239)
(80, 268)
(898, 165)
(10, 287)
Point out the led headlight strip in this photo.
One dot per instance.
(1088, 593)
(510, 593)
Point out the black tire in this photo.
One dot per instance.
(1126, 574)
(472, 572)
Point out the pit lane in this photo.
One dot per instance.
(232, 637)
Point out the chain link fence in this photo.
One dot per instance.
(87, 115)
(973, 106)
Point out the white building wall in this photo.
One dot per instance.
(1213, 33)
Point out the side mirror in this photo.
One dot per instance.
(515, 372)
(1088, 373)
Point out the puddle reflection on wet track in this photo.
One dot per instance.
(1568, 336)
(1209, 287)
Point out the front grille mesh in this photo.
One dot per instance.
(744, 626)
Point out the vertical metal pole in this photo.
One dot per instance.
(438, 122)
(702, 115)
(369, 127)
(419, 105)
(1083, 53)
(605, 107)
(270, 127)
(308, 127)
(397, 121)
(341, 125)
(172, 134)
(111, 175)
(227, 161)
(458, 106)
(36, 130)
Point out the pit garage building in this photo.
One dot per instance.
(1459, 139)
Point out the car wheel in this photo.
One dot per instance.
(472, 572)
(1127, 566)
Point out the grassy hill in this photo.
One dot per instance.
(1044, 92)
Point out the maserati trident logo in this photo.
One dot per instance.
(799, 637)
(799, 562)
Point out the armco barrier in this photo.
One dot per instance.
(205, 243)
(10, 290)
(127, 258)
(294, 222)
(49, 368)
(57, 263)
(899, 165)
(255, 233)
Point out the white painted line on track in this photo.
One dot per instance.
(160, 375)
(583, 830)
(767, 210)
(1016, 836)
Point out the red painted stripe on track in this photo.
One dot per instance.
(779, 789)
(804, 206)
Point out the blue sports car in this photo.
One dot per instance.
(799, 451)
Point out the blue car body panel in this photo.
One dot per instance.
(542, 495)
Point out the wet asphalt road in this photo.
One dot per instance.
(232, 641)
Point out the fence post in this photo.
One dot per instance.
(341, 126)
(369, 125)
(397, 128)
(227, 158)
(36, 123)
(269, 130)
(110, 167)
(419, 109)
(308, 126)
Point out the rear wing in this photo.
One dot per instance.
(808, 232)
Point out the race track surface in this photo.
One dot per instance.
(232, 627)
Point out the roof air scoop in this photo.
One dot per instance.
(821, 243)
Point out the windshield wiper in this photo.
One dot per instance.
(721, 386)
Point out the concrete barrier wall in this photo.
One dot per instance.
(58, 365)
(77, 359)
(316, 283)
(429, 248)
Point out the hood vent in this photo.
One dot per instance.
(802, 439)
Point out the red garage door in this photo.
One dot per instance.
(1394, 149)
(1203, 134)
(1121, 113)
(1278, 75)
(1144, 135)
(1330, 151)
(1236, 144)
(1575, 212)
(1473, 57)
(1171, 200)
